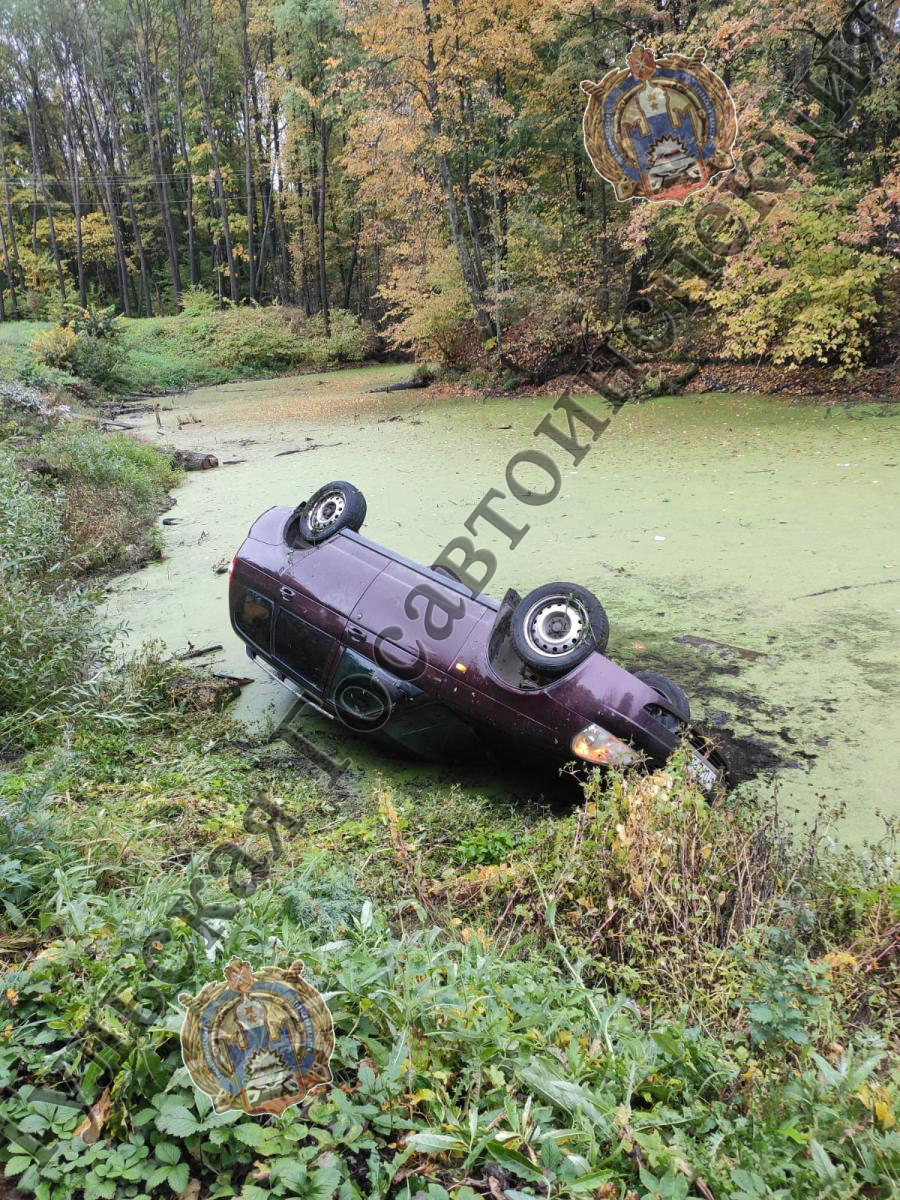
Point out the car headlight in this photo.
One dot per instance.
(597, 745)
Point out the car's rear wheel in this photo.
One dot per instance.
(557, 626)
(334, 507)
(670, 691)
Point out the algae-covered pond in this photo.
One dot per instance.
(763, 532)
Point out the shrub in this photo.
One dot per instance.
(798, 292)
(48, 379)
(196, 301)
(350, 340)
(109, 460)
(55, 347)
(96, 359)
(48, 643)
(95, 320)
(256, 338)
(31, 531)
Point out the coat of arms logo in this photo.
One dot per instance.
(258, 1042)
(660, 129)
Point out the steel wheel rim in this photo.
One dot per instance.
(327, 510)
(555, 627)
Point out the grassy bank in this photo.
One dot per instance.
(74, 503)
(647, 996)
(94, 355)
(571, 1007)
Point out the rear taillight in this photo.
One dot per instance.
(231, 568)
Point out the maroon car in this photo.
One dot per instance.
(406, 653)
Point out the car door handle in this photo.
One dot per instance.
(355, 634)
(287, 593)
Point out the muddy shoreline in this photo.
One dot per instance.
(808, 384)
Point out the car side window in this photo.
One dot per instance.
(253, 616)
(303, 647)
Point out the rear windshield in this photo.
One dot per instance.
(253, 616)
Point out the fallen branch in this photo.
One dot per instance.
(199, 652)
(847, 587)
(303, 449)
(103, 421)
(702, 642)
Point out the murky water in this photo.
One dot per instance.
(732, 521)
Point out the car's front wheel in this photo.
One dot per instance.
(557, 626)
(334, 507)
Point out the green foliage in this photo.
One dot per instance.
(197, 301)
(484, 846)
(97, 321)
(450, 1057)
(519, 1052)
(785, 993)
(31, 528)
(91, 510)
(350, 340)
(48, 645)
(96, 359)
(46, 629)
(800, 293)
(109, 460)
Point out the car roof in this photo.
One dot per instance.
(444, 580)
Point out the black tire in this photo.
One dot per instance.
(557, 626)
(670, 691)
(334, 507)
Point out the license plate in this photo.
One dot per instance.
(704, 772)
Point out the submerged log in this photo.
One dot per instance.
(194, 460)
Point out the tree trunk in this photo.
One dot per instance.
(107, 168)
(189, 34)
(351, 266)
(467, 265)
(324, 132)
(41, 185)
(194, 264)
(13, 245)
(140, 24)
(63, 69)
(248, 152)
(9, 275)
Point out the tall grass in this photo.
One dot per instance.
(89, 507)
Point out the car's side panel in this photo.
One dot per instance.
(333, 575)
(534, 719)
(269, 526)
(416, 617)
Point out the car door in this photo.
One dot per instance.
(412, 623)
(304, 650)
(317, 590)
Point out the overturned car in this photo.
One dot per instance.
(407, 654)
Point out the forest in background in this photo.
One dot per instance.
(420, 163)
